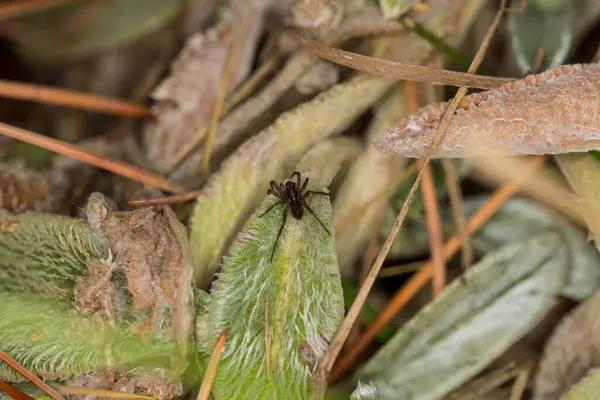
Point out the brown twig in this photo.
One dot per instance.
(417, 281)
(434, 229)
(321, 376)
(29, 375)
(19, 8)
(72, 151)
(236, 47)
(211, 369)
(47, 94)
(13, 391)
(432, 212)
(409, 72)
(102, 393)
(456, 203)
(178, 198)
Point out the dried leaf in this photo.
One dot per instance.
(303, 288)
(185, 99)
(549, 113)
(469, 324)
(243, 178)
(45, 253)
(22, 189)
(84, 28)
(154, 259)
(571, 351)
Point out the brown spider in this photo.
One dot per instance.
(293, 197)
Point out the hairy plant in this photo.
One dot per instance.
(281, 314)
(45, 253)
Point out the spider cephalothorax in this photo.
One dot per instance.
(292, 194)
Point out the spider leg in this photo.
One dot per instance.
(318, 219)
(313, 192)
(270, 208)
(297, 175)
(274, 189)
(283, 219)
(304, 185)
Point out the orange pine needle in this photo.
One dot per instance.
(211, 370)
(417, 281)
(47, 94)
(13, 391)
(72, 151)
(29, 375)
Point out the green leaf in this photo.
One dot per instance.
(471, 323)
(52, 341)
(305, 299)
(45, 253)
(533, 29)
(369, 313)
(520, 218)
(46, 36)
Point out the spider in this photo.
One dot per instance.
(293, 197)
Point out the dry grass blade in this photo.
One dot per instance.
(326, 364)
(18, 8)
(234, 54)
(402, 296)
(456, 203)
(46, 94)
(72, 151)
(434, 228)
(101, 393)
(211, 369)
(13, 392)
(29, 375)
(380, 67)
(178, 198)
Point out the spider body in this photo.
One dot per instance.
(292, 195)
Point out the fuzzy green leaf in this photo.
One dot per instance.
(50, 340)
(472, 322)
(304, 293)
(45, 253)
(587, 389)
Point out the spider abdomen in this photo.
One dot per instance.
(295, 200)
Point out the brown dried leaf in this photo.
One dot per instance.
(22, 189)
(186, 97)
(550, 113)
(571, 352)
(152, 252)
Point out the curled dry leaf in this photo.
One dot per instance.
(571, 352)
(303, 287)
(549, 113)
(186, 97)
(310, 14)
(151, 251)
(471, 323)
